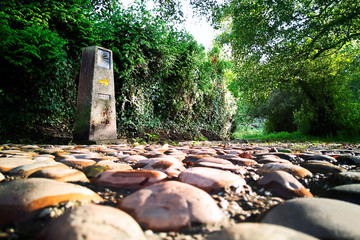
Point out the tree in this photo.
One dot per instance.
(293, 47)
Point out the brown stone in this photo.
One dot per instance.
(128, 179)
(230, 167)
(172, 167)
(28, 169)
(295, 170)
(115, 166)
(243, 162)
(6, 164)
(153, 154)
(245, 155)
(12, 152)
(171, 206)
(194, 158)
(318, 166)
(20, 198)
(284, 184)
(271, 159)
(78, 163)
(61, 174)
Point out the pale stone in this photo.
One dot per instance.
(105, 158)
(6, 164)
(259, 231)
(44, 158)
(51, 150)
(134, 158)
(177, 154)
(89, 155)
(12, 152)
(65, 157)
(172, 205)
(93, 222)
(318, 157)
(211, 179)
(320, 217)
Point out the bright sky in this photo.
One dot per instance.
(199, 28)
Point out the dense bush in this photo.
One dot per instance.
(39, 56)
(166, 84)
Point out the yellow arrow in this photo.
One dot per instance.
(105, 82)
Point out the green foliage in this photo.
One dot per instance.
(244, 130)
(166, 84)
(293, 61)
(39, 59)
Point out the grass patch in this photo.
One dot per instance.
(243, 132)
(290, 137)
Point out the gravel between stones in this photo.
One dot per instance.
(247, 203)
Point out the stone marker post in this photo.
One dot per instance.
(96, 115)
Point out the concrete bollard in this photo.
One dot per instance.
(96, 114)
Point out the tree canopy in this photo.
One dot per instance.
(300, 50)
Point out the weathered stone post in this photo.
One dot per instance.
(96, 115)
